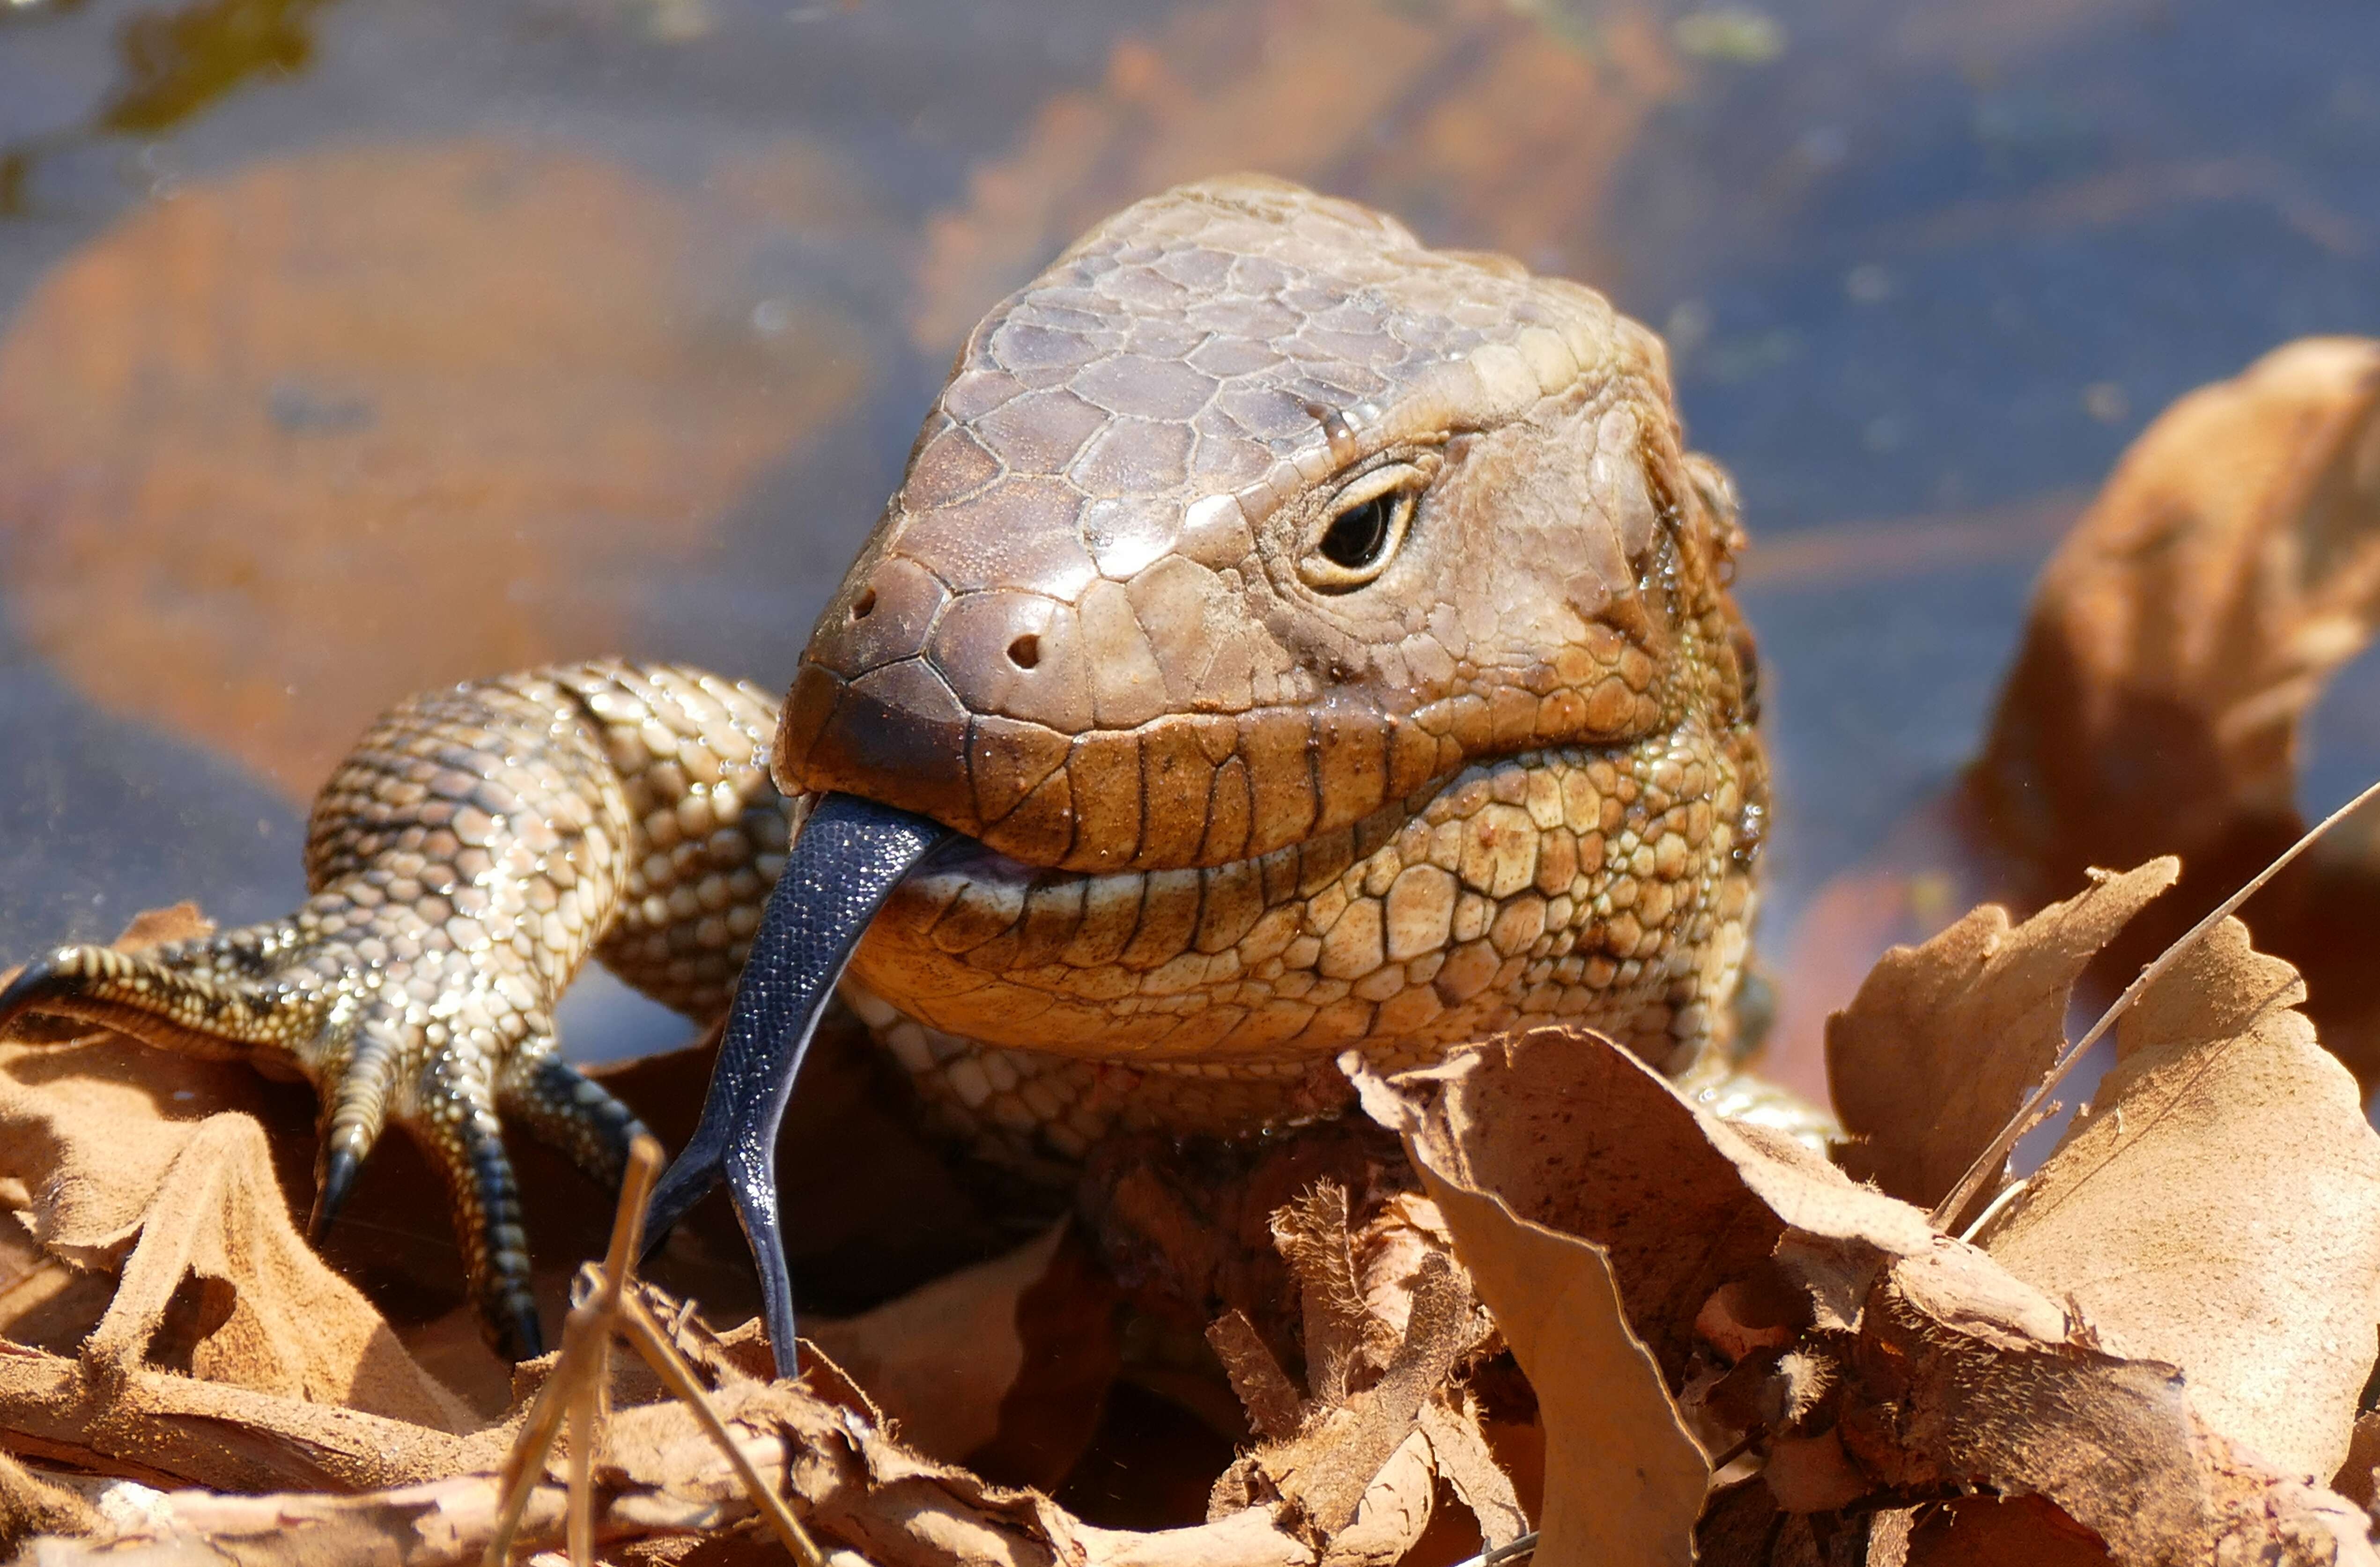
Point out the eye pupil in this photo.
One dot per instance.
(1355, 536)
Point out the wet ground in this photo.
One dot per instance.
(346, 349)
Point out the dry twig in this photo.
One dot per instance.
(578, 1390)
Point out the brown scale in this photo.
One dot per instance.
(1324, 643)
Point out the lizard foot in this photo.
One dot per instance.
(440, 1050)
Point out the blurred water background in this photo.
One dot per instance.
(349, 349)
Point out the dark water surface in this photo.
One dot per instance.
(346, 349)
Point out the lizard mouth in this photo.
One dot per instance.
(850, 854)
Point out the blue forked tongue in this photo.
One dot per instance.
(850, 855)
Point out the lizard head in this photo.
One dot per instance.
(1236, 539)
(1251, 516)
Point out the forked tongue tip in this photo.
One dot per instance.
(849, 856)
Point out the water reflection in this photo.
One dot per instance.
(103, 816)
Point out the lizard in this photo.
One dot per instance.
(1286, 638)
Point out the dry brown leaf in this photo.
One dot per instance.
(663, 1481)
(2359, 1477)
(265, 1313)
(2176, 641)
(153, 1166)
(940, 1361)
(2218, 1207)
(1967, 1376)
(2232, 562)
(1576, 1134)
(1624, 1480)
(1985, 1531)
(1502, 1139)
(1945, 1040)
(1577, 1137)
(169, 1429)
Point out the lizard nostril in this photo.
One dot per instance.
(865, 605)
(1026, 651)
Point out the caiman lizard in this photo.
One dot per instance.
(1285, 638)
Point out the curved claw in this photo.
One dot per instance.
(337, 1178)
(23, 995)
(153, 995)
(850, 854)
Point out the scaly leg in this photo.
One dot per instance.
(478, 844)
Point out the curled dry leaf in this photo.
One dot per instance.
(1945, 1040)
(1624, 1480)
(2176, 643)
(1574, 1135)
(2232, 562)
(2218, 1207)
(1566, 1170)
(1965, 1377)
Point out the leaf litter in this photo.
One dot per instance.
(1551, 1304)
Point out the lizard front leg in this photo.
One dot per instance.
(465, 859)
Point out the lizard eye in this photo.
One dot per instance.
(1359, 534)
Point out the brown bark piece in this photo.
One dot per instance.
(2218, 1207)
(1944, 1041)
